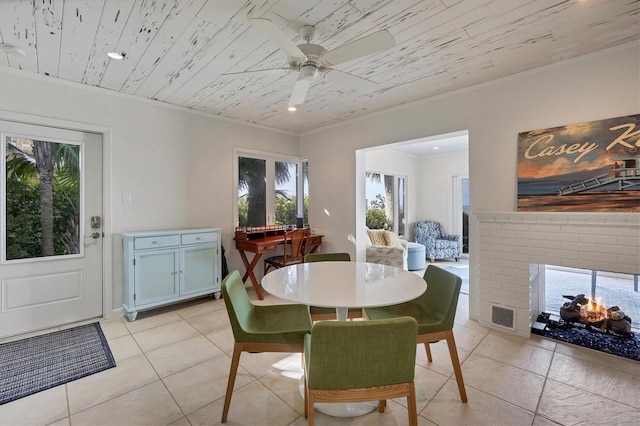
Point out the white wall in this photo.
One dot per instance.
(435, 191)
(592, 87)
(176, 164)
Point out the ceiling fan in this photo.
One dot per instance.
(311, 60)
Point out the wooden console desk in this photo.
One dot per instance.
(264, 239)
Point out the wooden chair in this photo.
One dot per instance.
(295, 246)
(269, 328)
(318, 313)
(353, 361)
(435, 313)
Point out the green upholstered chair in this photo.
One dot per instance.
(352, 361)
(435, 312)
(269, 328)
(318, 313)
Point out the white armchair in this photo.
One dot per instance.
(387, 248)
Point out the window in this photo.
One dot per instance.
(386, 202)
(269, 188)
(41, 198)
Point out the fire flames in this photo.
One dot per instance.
(593, 311)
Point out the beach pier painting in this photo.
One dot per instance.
(584, 167)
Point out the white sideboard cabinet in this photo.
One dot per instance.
(169, 266)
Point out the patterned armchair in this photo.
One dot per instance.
(438, 245)
(387, 248)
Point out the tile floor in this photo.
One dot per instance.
(173, 365)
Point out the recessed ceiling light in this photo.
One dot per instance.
(291, 108)
(116, 55)
(436, 147)
(12, 50)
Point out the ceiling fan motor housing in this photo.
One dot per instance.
(309, 68)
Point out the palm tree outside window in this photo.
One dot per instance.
(271, 190)
(386, 202)
(42, 198)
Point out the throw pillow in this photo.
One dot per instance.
(393, 239)
(378, 237)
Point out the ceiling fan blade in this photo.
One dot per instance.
(299, 91)
(350, 81)
(367, 45)
(277, 37)
(274, 71)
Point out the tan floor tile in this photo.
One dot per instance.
(200, 307)
(441, 359)
(260, 364)
(61, 422)
(113, 328)
(130, 373)
(514, 351)
(223, 339)
(148, 405)
(617, 363)
(570, 405)
(511, 384)
(204, 383)
(211, 321)
(124, 347)
(541, 342)
(151, 319)
(467, 338)
(251, 405)
(178, 356)
(428, 383)
(40, 408)
(597, 379)
(481, 409)
(543, 421)
(181, 422)
(167, 334)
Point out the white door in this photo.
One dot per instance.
(51, 223)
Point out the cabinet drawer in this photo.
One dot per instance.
(156, 242)
(199, 238)
(314, 241)
(267, 248)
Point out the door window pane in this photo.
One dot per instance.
(401, 206)
(42, 198)
(286, 177)
(386, 202)
(252, 207)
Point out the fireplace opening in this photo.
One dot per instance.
(611, 289)
(595, 309)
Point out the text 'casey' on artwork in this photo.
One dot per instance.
(584, 167)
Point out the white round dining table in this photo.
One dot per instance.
(344, 285)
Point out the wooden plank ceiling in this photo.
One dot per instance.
(177, 51)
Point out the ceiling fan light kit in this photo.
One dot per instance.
(310, 60)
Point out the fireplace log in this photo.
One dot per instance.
(612, 319)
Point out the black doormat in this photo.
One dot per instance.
(578, 334)
(38, 363)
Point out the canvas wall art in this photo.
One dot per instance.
(584, 167)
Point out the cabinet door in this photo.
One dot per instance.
(157, 276)
(198, 269)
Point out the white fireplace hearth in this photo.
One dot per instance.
(514, 247)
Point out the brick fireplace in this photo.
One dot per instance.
(514, 247)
